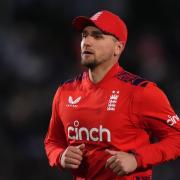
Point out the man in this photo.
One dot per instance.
(103, 120)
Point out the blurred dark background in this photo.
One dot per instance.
(39, 49)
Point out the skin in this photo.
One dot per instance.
(104, 51)
(121, 163)
(72, 157)
(99, 52)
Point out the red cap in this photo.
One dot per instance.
(105, 21)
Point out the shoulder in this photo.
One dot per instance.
(144, 91)
(131, 79)
(150, 101)
(153, 94)
(72, 83)
(150, 97)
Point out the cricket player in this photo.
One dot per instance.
(104, 119)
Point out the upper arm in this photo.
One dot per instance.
(56, 133)
(156, 112)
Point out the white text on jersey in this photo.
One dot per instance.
(93, 134)
(172, 120)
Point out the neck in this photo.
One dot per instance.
(98, 73)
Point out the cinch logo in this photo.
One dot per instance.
(73, 103)
(172, 120)
(93, 134)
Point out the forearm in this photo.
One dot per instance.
(53, 151)
(159, 152)
(55, 140)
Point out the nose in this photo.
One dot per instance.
(87, 41)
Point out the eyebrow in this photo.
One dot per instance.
(99, 32)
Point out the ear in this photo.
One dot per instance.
(118, 48)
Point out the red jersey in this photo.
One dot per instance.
(121, 112)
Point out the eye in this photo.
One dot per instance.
(84, 35)
(97, 35)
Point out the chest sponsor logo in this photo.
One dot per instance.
(113, 101)
(73, 103)
(89, 134)
(172, 120)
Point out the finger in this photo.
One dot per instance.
(71, 166)
(75, 150)
(117, 169)
(114, 164)
(69, 160)
(110, 161)
(111, 152)
(81, 146)
(121, 173)
(74, 156)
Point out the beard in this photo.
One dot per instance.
(90, 64)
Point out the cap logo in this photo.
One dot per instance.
(96, 16)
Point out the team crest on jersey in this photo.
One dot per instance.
(113, 101)
(73, 103)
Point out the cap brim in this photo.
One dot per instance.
(80, 22)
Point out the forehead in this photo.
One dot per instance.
(91, 29)
(94, 30)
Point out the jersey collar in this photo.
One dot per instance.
(109, 75)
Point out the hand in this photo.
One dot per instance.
(72, 157)
(121, 163)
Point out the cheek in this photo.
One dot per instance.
(82, 44)
(106, 50)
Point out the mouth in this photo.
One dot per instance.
(86, 52)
